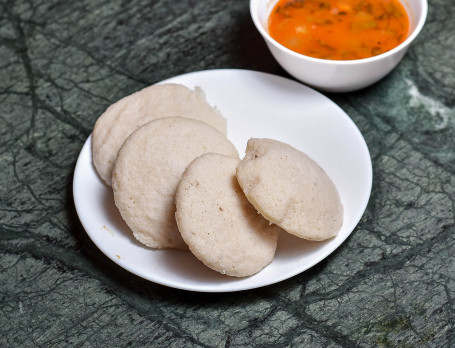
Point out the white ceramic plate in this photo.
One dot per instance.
(256, 105)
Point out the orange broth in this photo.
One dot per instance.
(339, 29)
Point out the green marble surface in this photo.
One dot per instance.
(391, 284)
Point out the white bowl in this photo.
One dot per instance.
(338, 75)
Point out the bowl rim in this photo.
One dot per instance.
(254, 5)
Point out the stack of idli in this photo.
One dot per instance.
(178, 182)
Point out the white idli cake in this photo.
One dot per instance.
(220, 226)
(148, 169)
(290, 189)
(151, 103)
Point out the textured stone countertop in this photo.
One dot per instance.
(392, 283)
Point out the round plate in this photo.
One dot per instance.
(256, 105)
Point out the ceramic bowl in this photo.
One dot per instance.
(338, 75)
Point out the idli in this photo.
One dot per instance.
(151, 103)
(290, 189)
(220, 226)
(148, 169)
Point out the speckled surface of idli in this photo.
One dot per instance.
(290, 189)
(220, 226)
(151, 103)
(148, 169)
